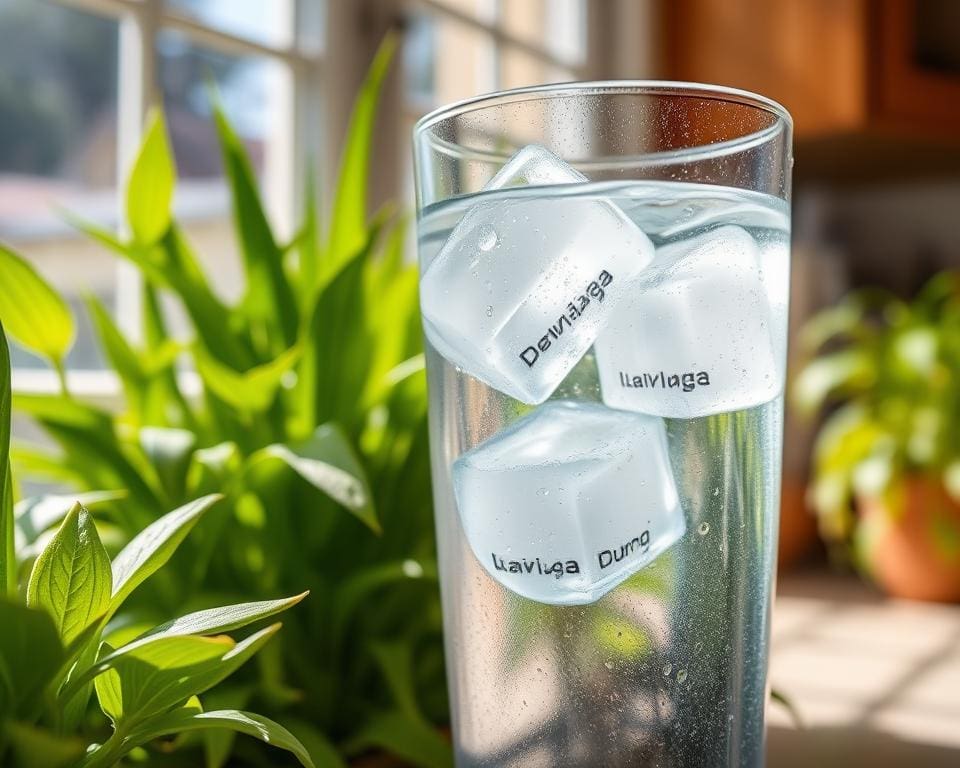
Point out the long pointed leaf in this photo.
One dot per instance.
(269, 296)
(147, 553)
(150, 187)
(71, 579)
(247, 723)
(327, 461)
(8, 560)
(32, 311)
(349, 215)
(211, 621)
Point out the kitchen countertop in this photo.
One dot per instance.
(875, 681)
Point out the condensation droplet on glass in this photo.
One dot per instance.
(667, 669)
(542, 492)
(489, 310)
(704, 528)
(681, 676)
(608, 664)
(488, 238)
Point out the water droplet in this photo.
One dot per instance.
(608, 664)
(681, 676)
(488, 238)
(489, 310)
(703, 529)
(542, 492)
(667, 669)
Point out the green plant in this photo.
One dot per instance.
(889, 370)
(310, 418)
(67, 636)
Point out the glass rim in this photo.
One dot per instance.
(679, 88)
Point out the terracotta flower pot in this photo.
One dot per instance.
(911, 545)
(798, 526)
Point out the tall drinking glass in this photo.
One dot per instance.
(604, 287)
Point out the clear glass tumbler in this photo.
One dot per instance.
(604, 285)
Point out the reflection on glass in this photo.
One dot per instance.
(58, 105)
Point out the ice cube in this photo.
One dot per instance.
(522, 286)
(695, 337)
(569, 501)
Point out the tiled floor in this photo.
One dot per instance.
(875, 681)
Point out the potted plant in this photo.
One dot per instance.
(886, 468)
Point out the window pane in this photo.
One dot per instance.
(445, 59)
(246, 86)
(58, 106)
(557, 26)
(518, 68)
(264, 21)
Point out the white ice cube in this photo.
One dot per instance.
(569, 501)
(522, 286)
(695, 337)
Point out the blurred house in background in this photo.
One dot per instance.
(873, 85)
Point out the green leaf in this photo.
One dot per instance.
(395, 660)
(157, 676)
(154, 677)
(37, 514)
(122, 357)
(35, 747)
(339, 341)
(109, 690)
(149, 550)
(33, 312)
(328, 463)
(8, 560)
(26, 634)
(308, 244)
(210, 621)
(169, 452)
(92, 449)
(269, 296)
(150, 186)
(409, 738)
(251, 391)
(323, 753)
(845, 371)
(71, 579)
(348, 218)
(247, 723)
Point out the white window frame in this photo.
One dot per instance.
(299, 113)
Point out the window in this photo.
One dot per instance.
(77, 76)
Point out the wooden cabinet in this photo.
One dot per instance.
(884, 69)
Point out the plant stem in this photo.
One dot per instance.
(108, 753)
(62, 377)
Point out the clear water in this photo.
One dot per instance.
(669, 667)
